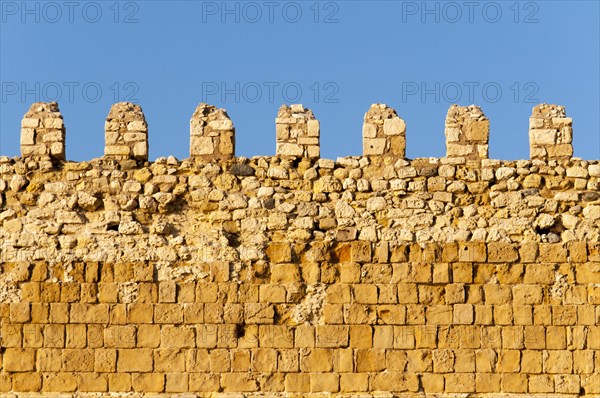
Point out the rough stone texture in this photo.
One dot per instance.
(550, 133)
(297, 132)
(270, 276)
(212, 135)
(384, 133)
(43, 132)
(126, 132)
(467, 133)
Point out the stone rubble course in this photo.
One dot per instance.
(292, 276)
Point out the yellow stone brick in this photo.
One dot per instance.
(92, 382)
(361, 336)
(59, 382)
(558, 361)
(316, 360)
(272, 294)
(354, 382)
(472, 252)
(349, 273)
(119, 382)
(287, 360)
(370, 360)
(78, 360)
(324, 382)
(177, 337)
(297, 382)
(514, 382)
(176, 382)
(220, 360)
(20, 312)
(509, 361)
(264, 360)
(49, 360)
(119, 336)
(487, 382)
(169, 360)
(500, 252)
(27, 382)
(552, 252)
(148, 382)
(89, 313)
(460, 383)
(203, 382)
(238, 382)
(432, 383)
(279, 252)
(278, 336)
(168, 313)
(360, 251)
(541, 383)
(59, 313)
(19, 360)
(443, 361)
(332, 336)
(105, 361)
(462, 272)
(134, 360)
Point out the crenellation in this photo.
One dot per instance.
(294, 276)
(550, 133)
(467, 133)
(43, 132)
(126, 132)
(384, 133)
(297, 132)
(212, 135)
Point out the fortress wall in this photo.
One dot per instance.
(293, 275)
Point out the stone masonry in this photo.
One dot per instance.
(384, 133)
(364, 276)
(467, 133)
(550, 133)
(297, 132)
(126, 132)
(212, 135)
(43, 132)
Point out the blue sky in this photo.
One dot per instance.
(335, 57)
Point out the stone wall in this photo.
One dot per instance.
(289, 276)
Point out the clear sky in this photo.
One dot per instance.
(335, 57)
